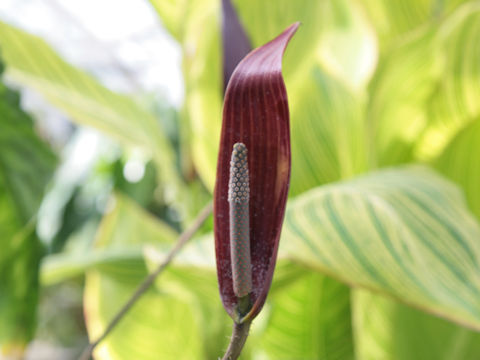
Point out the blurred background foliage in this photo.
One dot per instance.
(374, 263)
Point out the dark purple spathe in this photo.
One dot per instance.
(256, 114)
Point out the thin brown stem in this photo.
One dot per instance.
(149, 280)
(239, 337)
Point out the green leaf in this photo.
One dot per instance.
(455, 101)
(159, 326)
(460, 161)
(189, 285)
(403, 83)
(196, 25)
(386, 329)
(332, 32)
(425, 88)
(120, 241)
(309, 319)
(26, 165)
(63, 266)
(264, 20)
(203, 81)
(317, 43)
(33, 63)
(328, 141)
(197, 286)
(123, 238)
(328, 134)
(168, 322)
(394, 20)
(404, 232)
(18, 290)
(174, 14)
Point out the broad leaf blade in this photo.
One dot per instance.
(161, 324)
(404, 82)
(204, 86)
(185, 298)
(455, 102)
(310, 319)
(326, 125)
(394, 20)
(333, 34)
(386, 329)
(460, 161)
(426, 87)
(403, 232)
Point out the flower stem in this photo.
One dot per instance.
(239, 337)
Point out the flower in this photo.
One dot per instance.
(255, 119)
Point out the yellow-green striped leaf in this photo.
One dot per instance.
(455, 101)
(309, 319)
(159, 326)
(388, 330)
(166, 322)
(186, 296)
(327, 127)
(460, 161)
(426, 88)
(404, 82)
(318, 43)
(394, 19)
(334, 33)
(404, 232)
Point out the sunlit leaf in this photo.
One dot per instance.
(174, 14)
(394, 19)
(309, 319)
(425, 88)
(326, 123)
(460, 161)
(197, 286)
(263, 20)
(333, 32)
(131, 242)
(328, 30)
(455, 101)
(405, 232)
(160, 325)
(385, 329)
(204, 87)
(348, 46)
(404, 82)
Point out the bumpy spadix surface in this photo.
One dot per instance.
(238, 198)
(256, 114)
